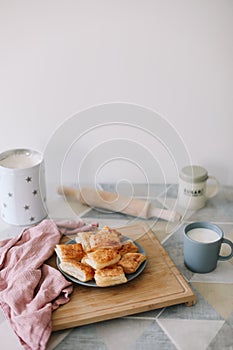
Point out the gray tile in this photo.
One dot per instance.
(223, 340)
(148, 314)
(121, 333)
(202, 310)
(156, 203)
(230, 320)
(174, 247)
(153, 338)
(105, 214)
(138, 189)
(82, 338)
(217, 209)
(172, 191)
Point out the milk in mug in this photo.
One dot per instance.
(203, 235)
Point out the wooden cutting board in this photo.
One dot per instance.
(159, 285)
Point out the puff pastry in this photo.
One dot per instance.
(128, 247)
(70, 251)
(108, 238)
(84, 239)
(110, 276)
(78, 270)
(109, 230)
(130, 262)
(101, 258)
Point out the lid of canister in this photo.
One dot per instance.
(193, 173)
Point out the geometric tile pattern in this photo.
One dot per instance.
(223, 339)
(83, 338)
(208, 325)
(125, 332)
(219, 295)
(222, 274)
(191, 334)
(153, 337)
(202, 310)
(56, 338)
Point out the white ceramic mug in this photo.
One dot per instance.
(22, 187)
(194, 189)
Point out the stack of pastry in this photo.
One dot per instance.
(103, 256)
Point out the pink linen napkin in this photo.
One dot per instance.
(29, 289)
(71, 227)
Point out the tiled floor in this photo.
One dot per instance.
(207, 325)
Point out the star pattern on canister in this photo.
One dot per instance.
(22, 200)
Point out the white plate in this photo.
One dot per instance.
(92, 283)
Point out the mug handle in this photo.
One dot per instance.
(212, 192)
(227, 257)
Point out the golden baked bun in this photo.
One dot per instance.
(128, 247)
(110, 276)
(70, 251)
(104, 257)
(78, 270)
(106, 238)
(101, 258)
(84, 239)
(130, 262)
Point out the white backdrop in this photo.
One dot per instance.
(174, 57)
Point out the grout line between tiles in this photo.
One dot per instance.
(160, 313)
(85, 212)
(56, 339)
(168, 335)
(139, 318)
(135, 317)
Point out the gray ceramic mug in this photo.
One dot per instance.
(202, 244)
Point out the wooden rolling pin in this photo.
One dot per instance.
(114, 202)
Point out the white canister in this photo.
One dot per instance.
(193, 189)
(22, 187)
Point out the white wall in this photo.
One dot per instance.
(174, 57)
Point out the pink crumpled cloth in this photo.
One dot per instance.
(29, 289)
